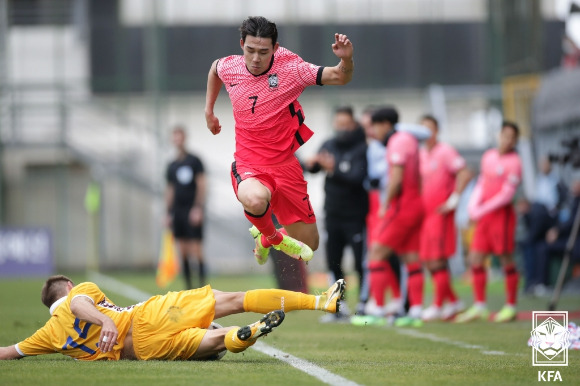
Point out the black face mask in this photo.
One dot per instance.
(345, 136)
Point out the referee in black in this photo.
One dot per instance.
(185, 199)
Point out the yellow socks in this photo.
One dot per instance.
(234, 344)
(263, 301)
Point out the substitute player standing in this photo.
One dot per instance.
(491, 207)
(264, 84)
(444, 177)
(401, 215)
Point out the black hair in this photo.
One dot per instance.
(429, 117)
(386, 114)
(344, 110)
(511, 125)
(260, 27)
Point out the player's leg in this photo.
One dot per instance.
(196, 248)
(508, 311)
(379, 268)
(182, 246)
(357, 241)
(415, 283)
(212, 344)
(307, 233)
(240, 338)
(479, 281)
(265, 300)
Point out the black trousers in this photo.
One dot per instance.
(342, 233)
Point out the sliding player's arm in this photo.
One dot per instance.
(84, 309)
(9, 353)
(214, 85)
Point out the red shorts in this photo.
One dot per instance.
(400, 228)
(290, 201)
(373, 219)
(438, 236)
(495, 232)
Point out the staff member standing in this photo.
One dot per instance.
(185, 199)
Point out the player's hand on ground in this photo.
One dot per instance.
(342, 46)
(213, 123)
(196, 215)
(109, 335)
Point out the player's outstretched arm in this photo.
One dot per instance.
(9, 353)
(84, 309)
(340, 74)
(214, 85)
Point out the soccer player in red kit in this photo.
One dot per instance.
(491, 207)
(444, 177)
(264, 84)
(401, 215)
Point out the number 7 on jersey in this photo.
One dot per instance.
(255, 98)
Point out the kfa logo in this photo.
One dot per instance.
(550, 338)
(273, 81)
(548, 376)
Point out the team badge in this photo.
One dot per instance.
(273, 81)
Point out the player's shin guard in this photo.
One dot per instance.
(415, 284)
(379, 279)
(266, 226)
(479, 279)
(263, 301)
(235, 344)
(511, 284)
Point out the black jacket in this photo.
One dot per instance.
(346, 197)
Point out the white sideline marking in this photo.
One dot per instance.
(309, 368)
(321, 374)
(438, 339)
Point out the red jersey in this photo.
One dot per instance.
(403, 150)
(269, 118)
(497, 169)
(438, 169)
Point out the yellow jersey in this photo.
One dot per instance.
(66, 334)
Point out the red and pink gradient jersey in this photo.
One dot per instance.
(497, 169)
(403, 150)
(266, 109)
(438, 169)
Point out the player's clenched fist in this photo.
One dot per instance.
(213, 123)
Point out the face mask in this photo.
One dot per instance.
(345, 136)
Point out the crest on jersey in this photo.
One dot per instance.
(273, 81)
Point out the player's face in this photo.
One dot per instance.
(344, 122)
(381, 129)
(258, 53)
(432, 128)
(508, 140)
(178, 139)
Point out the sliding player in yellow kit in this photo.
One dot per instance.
(86, 325)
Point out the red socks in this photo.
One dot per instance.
(479, 278)
(415, 284)
(266, 226)
(511, 283)
(443, 290)
(379, 279)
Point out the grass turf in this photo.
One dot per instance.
(436, 354)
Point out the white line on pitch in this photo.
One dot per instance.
(438, 339)
(303, 365)
(309, 368)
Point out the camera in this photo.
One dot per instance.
(571, 155)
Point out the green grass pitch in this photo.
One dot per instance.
(436, 354)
